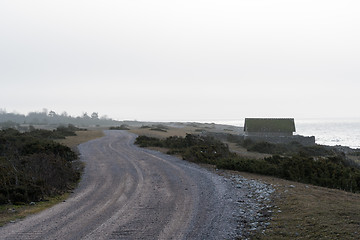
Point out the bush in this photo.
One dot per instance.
(60, 133)
(122, 127)
(32, 166)
(328, 171)
(3, 199)
(263, 147)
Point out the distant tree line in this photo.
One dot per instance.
(15, 120)
(33, 166)
(326, 168)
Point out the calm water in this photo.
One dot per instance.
(345, 132)
(331, 132)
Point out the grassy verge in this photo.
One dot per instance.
(9, 213)
(310, 212)
(81, 137)
(147, 131)
(306, 211)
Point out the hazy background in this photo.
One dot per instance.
(181, 60)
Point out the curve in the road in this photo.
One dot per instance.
(131, 193)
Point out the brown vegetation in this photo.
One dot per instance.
(310, 212)
(81, 136)
(181, 132)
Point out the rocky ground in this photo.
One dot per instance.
(253, 210)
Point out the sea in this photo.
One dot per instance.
(331, 132)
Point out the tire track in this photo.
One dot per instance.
(131, 193)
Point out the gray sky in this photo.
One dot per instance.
(181, 60)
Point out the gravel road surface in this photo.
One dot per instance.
(132, 193)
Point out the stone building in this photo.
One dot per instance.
(274, 130)
(277, 127)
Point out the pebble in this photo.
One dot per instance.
(254, 206)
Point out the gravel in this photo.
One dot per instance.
(131, 193)
(254, 207)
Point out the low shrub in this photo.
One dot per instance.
(144, 141)
(121, 127)
(327, 171)
(32, 166)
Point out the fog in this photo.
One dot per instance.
(181, 60)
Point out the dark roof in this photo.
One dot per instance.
(269, 125)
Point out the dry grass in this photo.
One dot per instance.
(10, 213)
(81, 137)
(170, 131)
(307, 212)
(311, 212)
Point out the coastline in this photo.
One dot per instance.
(344, 132)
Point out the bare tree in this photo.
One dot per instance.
(52, 114)
(95, 115)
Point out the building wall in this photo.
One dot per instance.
(306, 141)
(268, 134)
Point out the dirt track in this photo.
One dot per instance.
(133, 193)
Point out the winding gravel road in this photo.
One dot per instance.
(132, 193)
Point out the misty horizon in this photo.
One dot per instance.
(234, 122)
(181, 61)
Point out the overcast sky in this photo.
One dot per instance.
(181, 60)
